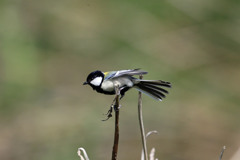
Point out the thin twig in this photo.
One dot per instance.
(84, 156)
(221, 154)
(151, 132)
(116, 134)
(140, 117)
(152, 152)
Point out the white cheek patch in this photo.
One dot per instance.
(97, 81)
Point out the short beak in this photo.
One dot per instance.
(85, 83)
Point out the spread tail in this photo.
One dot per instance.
(153, 88)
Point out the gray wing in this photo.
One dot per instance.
(130, 72)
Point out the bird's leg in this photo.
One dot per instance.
(122, 95)
(109, 112)
(117, 108)
(113, 105)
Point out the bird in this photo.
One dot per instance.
(106, 83)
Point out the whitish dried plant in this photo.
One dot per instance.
(82, 154)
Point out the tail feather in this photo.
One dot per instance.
(157, 82)
(152, 92)
(152, 95)
(153, 88)
(156, 87)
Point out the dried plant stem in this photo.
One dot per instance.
(221, 154)
(82, 151)
(116, 133)
(140, 117)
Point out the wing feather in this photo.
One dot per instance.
(130, 72)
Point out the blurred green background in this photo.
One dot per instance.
(47, 49)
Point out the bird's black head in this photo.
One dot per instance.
(95, 79)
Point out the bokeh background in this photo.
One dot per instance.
(48, 47)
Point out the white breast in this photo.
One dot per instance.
(109, 85)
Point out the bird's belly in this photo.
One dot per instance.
(109, 85)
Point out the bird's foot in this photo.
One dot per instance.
(109, 113)
(117, 108)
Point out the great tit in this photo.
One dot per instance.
(105, 82)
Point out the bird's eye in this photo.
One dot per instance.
(93, 78)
